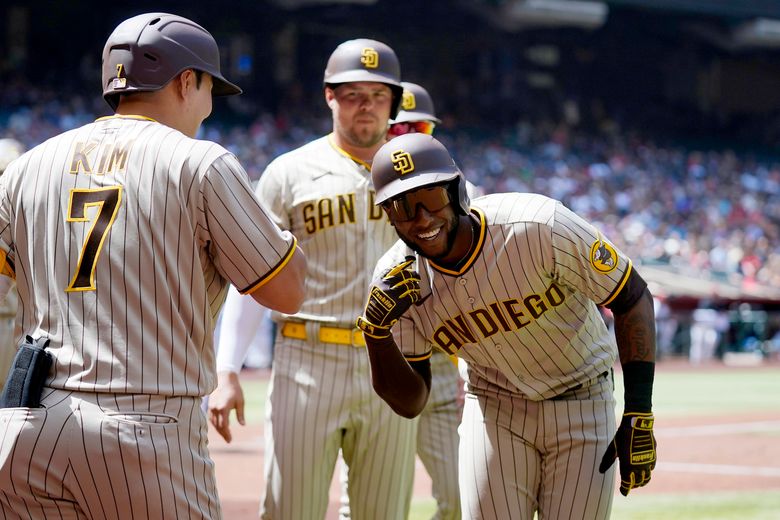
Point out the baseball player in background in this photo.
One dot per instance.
(10, 149)
(123, 235)
(511, 283)
(320, 395)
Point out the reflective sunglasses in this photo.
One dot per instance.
(409, 127)
(404, 208)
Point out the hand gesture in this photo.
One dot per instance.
(634, 446)
(226, 397)
(389, 297)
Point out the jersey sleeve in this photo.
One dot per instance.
(410, 340)
(247, 245)
(272, 193)
(586, 260)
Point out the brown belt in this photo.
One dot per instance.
(336, 335)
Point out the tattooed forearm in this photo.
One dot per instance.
(635, 331)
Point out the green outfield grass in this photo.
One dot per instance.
(692, 393)
(677, 393)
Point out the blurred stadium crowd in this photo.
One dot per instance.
(714, 211)
(705, 213)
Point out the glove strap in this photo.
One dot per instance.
(369, 329)
(641, 421)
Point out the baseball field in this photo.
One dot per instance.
(718, 433)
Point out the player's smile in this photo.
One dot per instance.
(431, 235)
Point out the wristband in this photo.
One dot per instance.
(369, 329)
(638, 382)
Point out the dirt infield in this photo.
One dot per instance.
(738, 452)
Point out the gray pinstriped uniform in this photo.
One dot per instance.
(124, 235)
(321, 397)
(522, 312)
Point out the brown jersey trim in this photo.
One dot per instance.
(265, 279)
(619, 287)
(474, 254)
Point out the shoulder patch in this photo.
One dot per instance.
(603, 257)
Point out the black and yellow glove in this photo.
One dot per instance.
(634, 446)
(389, 297)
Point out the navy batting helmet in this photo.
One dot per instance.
(365, 60)
(147, 51)
(411, 161)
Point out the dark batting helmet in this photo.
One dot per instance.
(147, 51)
(365, 60)
(411, 161)
(416, 105)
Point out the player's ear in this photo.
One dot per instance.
(179, 84)
(330, 97)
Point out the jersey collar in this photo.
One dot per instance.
(474, 252)
(126, 116)
(345, 153)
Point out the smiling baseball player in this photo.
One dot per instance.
(511, 283)
(437, 429)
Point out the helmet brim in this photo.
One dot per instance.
(412, 182)
(223, 87)
(405, 116)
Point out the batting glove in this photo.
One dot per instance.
(634, 445)
(389, 297)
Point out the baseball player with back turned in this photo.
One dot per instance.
(320, 396)
(123, 236)
(511, 283)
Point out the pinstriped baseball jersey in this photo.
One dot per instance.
(324, 197)
(88, 211)
(320, 397)
(521, 311)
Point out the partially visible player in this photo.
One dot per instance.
(123, 235)
(512, 283)
(10, 149)
(417, 113)
(320, 397)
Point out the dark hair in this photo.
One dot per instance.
(198, 81)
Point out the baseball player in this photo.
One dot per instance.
(123, 235)
(320, 397)
(511, 283)
(10, 149)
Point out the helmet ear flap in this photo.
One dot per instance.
(459, 195)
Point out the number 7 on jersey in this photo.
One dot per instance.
(107, 201)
